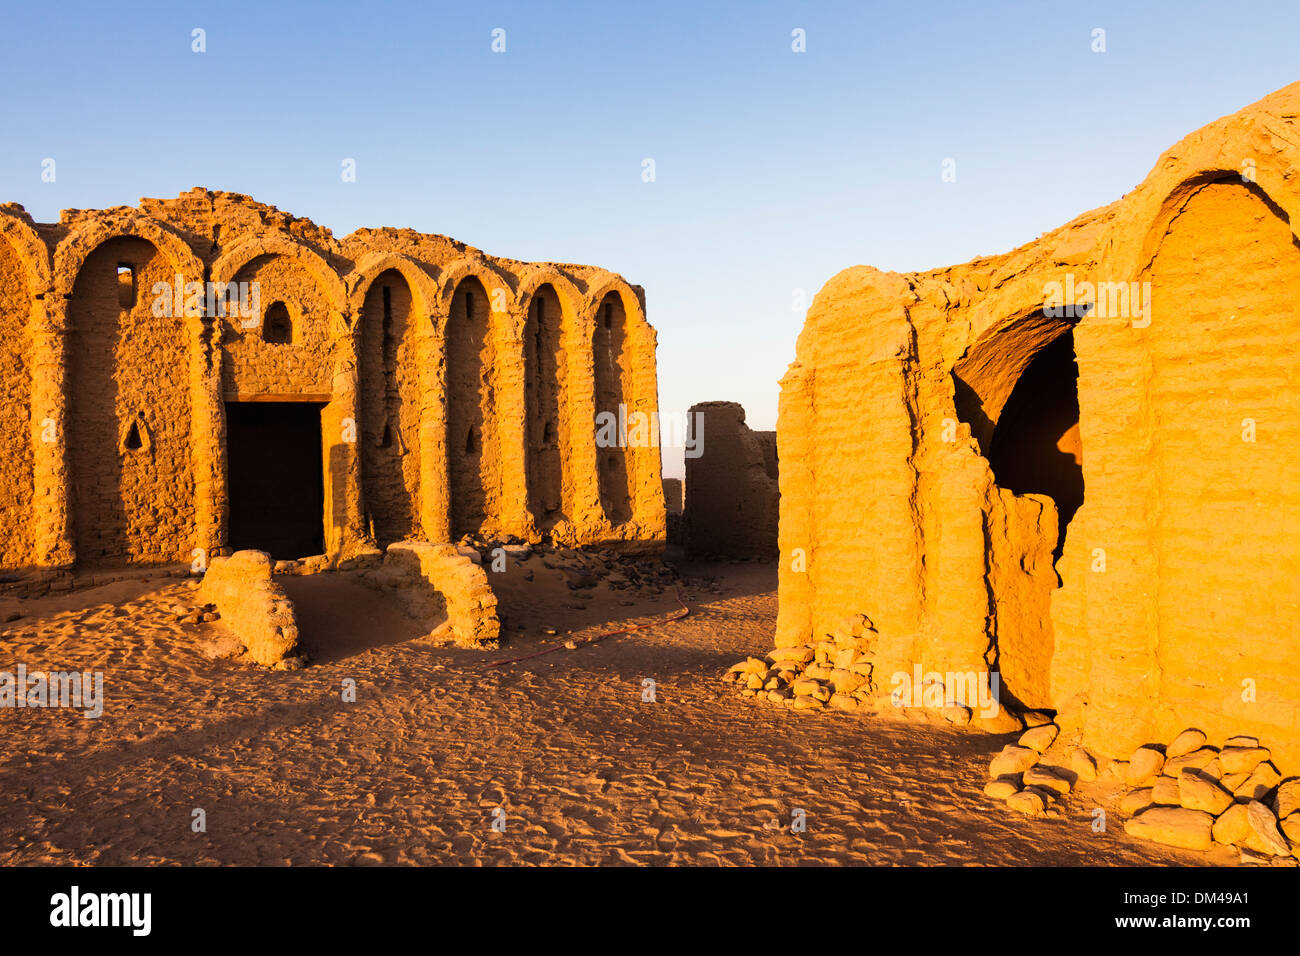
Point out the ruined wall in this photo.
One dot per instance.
(732, 496)
(16, 425)
(455, 392)
(937, 456)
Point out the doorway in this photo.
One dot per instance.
(275, 478)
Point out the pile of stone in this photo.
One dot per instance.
(1192, 795)
(1187, 794)
(200, 614)
(584, 569)
(835, 672)
(1027, 781)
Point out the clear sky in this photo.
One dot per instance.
(773, 169)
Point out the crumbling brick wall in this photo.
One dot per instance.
(115, 428)
(732, 493)
(1177, 572)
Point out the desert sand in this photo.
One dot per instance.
(586, 771)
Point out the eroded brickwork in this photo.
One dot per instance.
(732, 496)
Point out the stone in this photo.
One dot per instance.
(1242, 759)
(1185, 743)
(845, 659)
(1000, 722)
(1165, 792)
(1143, 766)
(845, 681)
(252, 605)
(1199, 791)
(806, 686)
(1173, 826)
(1082, 764)
(807, 702)
(1196, 760)
(1287, 799)
(1012, 759)
(1036, 718)
(1040, 737)
(957, 714)
(1264, 836)
(1029, 802)
(802, 654)
(1047, 778)
(1135, 801)
(1000, 788)
(844, 702)
(1260, 783)
(1232, 826)
(1290, 828)
(1241, 740)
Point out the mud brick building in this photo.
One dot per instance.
(389, 385)
(1075, 463)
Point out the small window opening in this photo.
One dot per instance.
(133, 440)
(469, 442)
(277, 327)
(386, 440)
(125, 285)
(548, 433)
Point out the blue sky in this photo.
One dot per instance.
(774, 169)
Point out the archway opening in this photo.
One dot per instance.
(544, 370)
(1036, 448)
(611, 370)
(472, 461)
(390, 406)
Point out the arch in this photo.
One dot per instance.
(424, 290)
(474, 461)
(547, 416)
(132, 502)
(72, 251)
(390, 315)
(1214, 153)
(985, 377)
(496, 283)
(617, 340)
(249, 248)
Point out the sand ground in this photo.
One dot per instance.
(585, 770)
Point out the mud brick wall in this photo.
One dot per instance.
(732, 495)
(1098, 506)
(457, 392)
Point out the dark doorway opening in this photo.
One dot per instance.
(1036, 447)
(276, 485)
